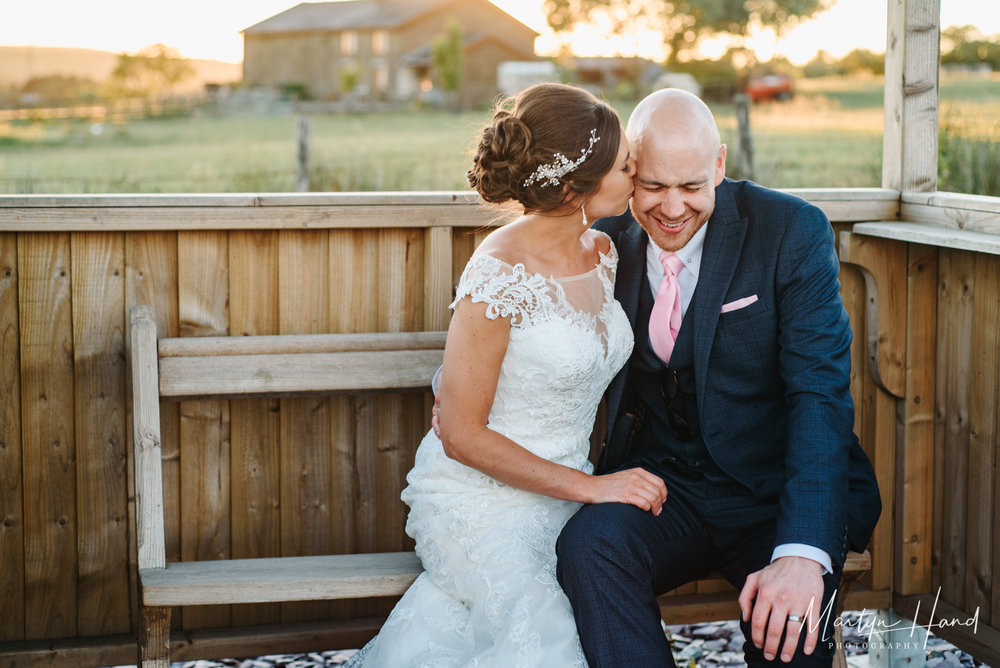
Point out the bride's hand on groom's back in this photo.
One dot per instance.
(637, 487)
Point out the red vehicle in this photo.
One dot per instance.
(770, 87)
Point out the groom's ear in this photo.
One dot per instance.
(720, 165)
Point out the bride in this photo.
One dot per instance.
(535, 338)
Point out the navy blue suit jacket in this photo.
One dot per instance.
(771, 378)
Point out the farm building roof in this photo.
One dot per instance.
(351, 15)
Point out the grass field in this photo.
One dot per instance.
(829, 135)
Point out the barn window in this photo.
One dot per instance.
(380, 42)
(348, 43)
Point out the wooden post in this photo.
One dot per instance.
(909, 145)
(745, 157)
(302, 146)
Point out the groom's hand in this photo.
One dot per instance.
(787, 586)
(436, 416)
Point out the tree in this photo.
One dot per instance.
(449, 58)
(683, 22)
(153, 70)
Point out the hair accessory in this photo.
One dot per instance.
(550, 173)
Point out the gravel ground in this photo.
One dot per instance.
(709, 645)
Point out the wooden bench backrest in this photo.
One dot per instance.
(219, 367)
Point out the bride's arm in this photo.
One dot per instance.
(473, 354)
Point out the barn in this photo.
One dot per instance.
(382, 49)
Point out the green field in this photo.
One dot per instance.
(829, 135)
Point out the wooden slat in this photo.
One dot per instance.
(308, 578)
(99, 364)
(438, 290)
(48, 213)
(306, 498)
(301, 343)
(146, 439)
(955, 327)
(203, 300)
(49, 450)
(983, 438)
(151, 279)
(401, 273)
(911, 84)
(250, 218)
(11, 489)
(973, 213)
(297, 374)
(255, 423)
(932, 235)
(883, 265)
(892, 102)
(915, 504)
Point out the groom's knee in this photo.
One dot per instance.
(595, 535)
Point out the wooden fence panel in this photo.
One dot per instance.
(49, 449)
(306, 498)
(255, 427)
(984, 395)
(98, 291)
(309, 476)
(11, 491)
(203, 309)
(955, 326)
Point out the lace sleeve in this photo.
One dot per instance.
(507, 290)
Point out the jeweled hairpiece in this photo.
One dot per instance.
(550, 173)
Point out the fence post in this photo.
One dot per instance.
(744, 140)
(302, 144)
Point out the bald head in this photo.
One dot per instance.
(670, 114)
(679, 162)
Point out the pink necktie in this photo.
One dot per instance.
(665, 318)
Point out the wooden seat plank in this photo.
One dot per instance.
(280, 579)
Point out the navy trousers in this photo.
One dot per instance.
(615, 559)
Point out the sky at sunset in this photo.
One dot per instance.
(211, 28)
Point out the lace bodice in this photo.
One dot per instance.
(568, 339)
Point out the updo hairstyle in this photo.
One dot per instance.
(528, 130)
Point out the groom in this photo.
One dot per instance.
(737, 396)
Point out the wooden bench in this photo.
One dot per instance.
(241, 367)
(255, 366)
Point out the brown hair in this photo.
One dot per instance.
(543, 120)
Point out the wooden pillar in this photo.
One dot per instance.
(909, 145)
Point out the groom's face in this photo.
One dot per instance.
(675, 185)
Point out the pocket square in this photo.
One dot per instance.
(738, 304)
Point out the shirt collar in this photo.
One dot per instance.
(690, 254)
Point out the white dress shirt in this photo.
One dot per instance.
(687, 279)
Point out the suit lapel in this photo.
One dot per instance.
(723, 245)
(631, 270)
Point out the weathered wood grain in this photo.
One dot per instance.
(984, 437)
(306, 498)
(11, 490)
(98, 293)
(49, 449)
(151, 280)
(955, 327)
(917, 448)
(255, 423)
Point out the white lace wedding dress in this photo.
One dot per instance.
(489, 595)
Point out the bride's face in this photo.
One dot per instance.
(615, 189)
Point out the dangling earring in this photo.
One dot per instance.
(584, 212)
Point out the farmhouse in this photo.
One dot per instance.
(382, 49)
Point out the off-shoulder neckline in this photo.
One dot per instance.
(602, 260)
